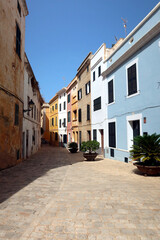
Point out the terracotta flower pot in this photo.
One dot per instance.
(90, 156)
(148, 170)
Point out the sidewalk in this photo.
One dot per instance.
(56, 195)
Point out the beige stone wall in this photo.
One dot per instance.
(11, 82)
(85, 125)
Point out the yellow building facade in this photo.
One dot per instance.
(74, 111)
(53, 121)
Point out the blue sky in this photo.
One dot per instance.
(60, 34)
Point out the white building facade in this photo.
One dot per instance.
(31, 119)
(98, 98)
(62, 116)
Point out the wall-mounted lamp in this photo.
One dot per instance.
(30, 106)
(144, 120)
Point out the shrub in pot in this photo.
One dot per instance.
(73, 147)
(146, 153)
(89, 148)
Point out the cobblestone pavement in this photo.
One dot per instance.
(56, 195)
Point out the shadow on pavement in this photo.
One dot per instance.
(14, 179)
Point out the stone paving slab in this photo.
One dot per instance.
(56, 195)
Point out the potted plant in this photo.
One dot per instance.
(73, 147)
(89, 149)
(146, 153)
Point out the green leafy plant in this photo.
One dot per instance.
(146, 150)
(90, 146)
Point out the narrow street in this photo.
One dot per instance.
(56, 195)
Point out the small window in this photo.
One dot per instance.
(80, 94)
(16, 121)
(132, 79)
(56, 121)
(87, 88)
(18, 41)
(19, 8)
(56, 106)
(69, 116)
(18, 155)
(52, 108)
(94, 134)
(88, 112)
(97, 104)
(64, 94)
(99, 71)
(60, 123)
(112, 134)
(94, 76)
(69, 98)
(56, 136)
(79, 78)
(60, 107)
(52, 121)
(64, 122)
(79, 115)
(88, 68)
(34, 112)
(64, 105)
(110, 92)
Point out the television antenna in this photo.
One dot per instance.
(125, 25)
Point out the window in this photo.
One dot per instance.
(99, 71)
(34, 112)
(56, 136)
(52, 108)
(64, 138)
(75, 114)
(69, 116)
(80, 94)
(112, 134)
(56, 106)
(69, 98)
(34, 137)
(19, 7)
(87, 88)
(94, 76)
(94, 134)
(88, 112)
(60, 107)
(88, 68)
(60, 123)
(56, 121)
(97, 104)
(64, 122)
(79, 78)
(64, 105)
(18, 41)
(110, 92)
(64, 94)
(132, 79)
(79, 115)
(28, 105)
(18, 154)
(16, 120)
(52, 121)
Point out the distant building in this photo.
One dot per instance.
(45, 111)
(132, 85)
(84, 100)
(53, 121)
(12, 41)
(31, 118)
(71, 86)
(62, 116)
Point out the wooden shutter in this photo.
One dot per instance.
(112, 134)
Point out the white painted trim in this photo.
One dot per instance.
(135, 61)
(131, 118)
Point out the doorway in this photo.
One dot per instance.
(102, 141)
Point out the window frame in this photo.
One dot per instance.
(79, 115)
(16, 117)
(99, 71)
(69, 116)
(109, 80)
(18, 40)
(94, 76)
(69, 98)
(95, 131)
(79, 91)
(88, 112)
(135, 61)
(86, 87)
(110, 122)
(97, 104)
